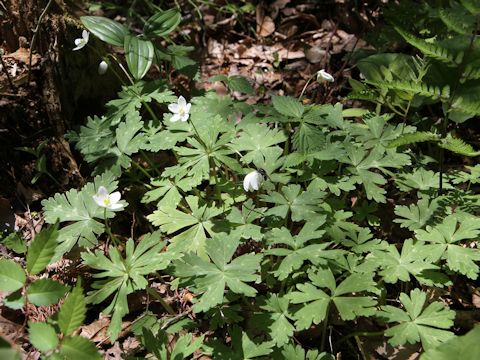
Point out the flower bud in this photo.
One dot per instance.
(102, 67)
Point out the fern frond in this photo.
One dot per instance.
(412, 87)
(458, 20)
(419, 136)
(366, 95)
(471, 73)
(471, 5)
(458, 146)
(468, 106)
(432, 50)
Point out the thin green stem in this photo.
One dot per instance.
(150, 162)
(107, 228)
(162, 302)
(142, 170)
(324, 329)
(34, 37)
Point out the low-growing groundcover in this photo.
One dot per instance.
(281, 231)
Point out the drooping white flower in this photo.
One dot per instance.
(102, 67)
(322, 75)
(180, 110)
(110, 201)
(81, 42)
(253, 180)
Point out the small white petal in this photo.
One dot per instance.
(184, 117)
(181, 101)
(78, 42)
(175, 118)
(187, 107)
(115, 197)
(174, 108)
(102, 191)
(85, 35)
(116, 206)
(98, 200)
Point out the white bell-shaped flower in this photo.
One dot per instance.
(81, 42)
(253, 180)
(110, 201)
(102, 67)
(322, 75)
(180, 110)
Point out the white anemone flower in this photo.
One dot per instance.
(102, 67)
(81, 42)
(110, 201)
(254, 180)
(180, 110)
(322, 75)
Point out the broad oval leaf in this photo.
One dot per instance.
(45, 292)
(139, 54)
(162, 23)
(12, 276)
(79, 348)
(110, 31)
(42, 336)
(41, 251)
(288, 106)
(72, 313)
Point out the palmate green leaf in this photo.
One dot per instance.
(288, 106)
(417, 322)
(301, 205)
(133, 96)
(296, 352)
(360, 240)
(255, 139)
(242, 221)
(124, 275)
(139, 55)
(199, 223)
(94, 139)
(73, 311)
(12, 276)
(210, 279)
(128, 139)
(445, 235)
(465, 347)
(42, 249)
(160, 345)
(416, 216)
(42, 336)
(110, 31)
(420, 179)
(412, 260)
(243, 348)
(43, 292)
(315, 302)
(363, 162)
(275, 319)
(80, 210)
(166, 192)
(294, 248)
(376, 130)
(79, 348)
